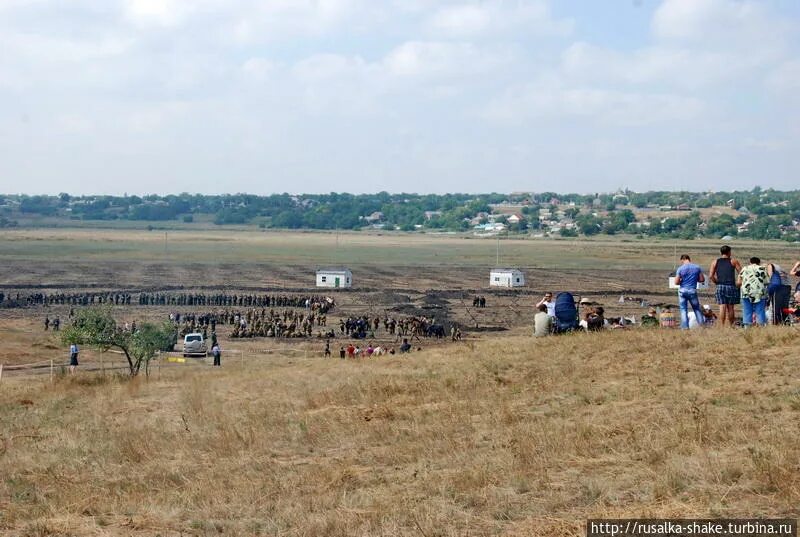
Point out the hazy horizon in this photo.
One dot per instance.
(459, 193)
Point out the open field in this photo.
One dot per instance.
(512, 437)
(111, 258)
(394, 274)
(500, 434)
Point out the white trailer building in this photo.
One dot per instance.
(506, 277)
(334, 277)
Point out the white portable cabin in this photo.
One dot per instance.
(334, 277)
(673, 285)
(506, 277)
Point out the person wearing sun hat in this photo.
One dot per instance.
(650, 319)
(708, 315)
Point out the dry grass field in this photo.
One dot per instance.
(502, 434)
(511, 436)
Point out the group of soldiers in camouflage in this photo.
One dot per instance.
(202, 319)
(314, 302)
(364, 326)
(290, 323)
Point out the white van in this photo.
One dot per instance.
(194, 345)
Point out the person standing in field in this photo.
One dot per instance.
(73, 357)
(687, 277)
(753, 281)
(216, 352)
(723, 273)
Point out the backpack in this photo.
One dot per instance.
(566, 318)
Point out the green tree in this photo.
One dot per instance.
(96, 327)
(565, 232)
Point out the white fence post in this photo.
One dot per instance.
(1, 372)
(51, 371)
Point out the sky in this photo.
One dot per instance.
(427, 96)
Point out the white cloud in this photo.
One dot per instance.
(310, 89)
(158, 12)
(258, 68)
(551, 100)
(670, 66)
(258, 22)
(493, 17)
(442, 59)
(737, 24)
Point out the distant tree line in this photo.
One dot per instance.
(769, 214)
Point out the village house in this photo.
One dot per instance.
(432, 214)
(334, 277)
(515, 218)
(506, 277)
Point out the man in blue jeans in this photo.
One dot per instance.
(687, 277)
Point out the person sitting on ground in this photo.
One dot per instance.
(650, 320)
(548, 301)
(708, 315)
(617, 323)
(405, 347)
(595, 319)
(542, 322)
(667, 318)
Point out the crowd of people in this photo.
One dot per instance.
(415, 326)
(353, 350)
(759, 287)
(763, 290)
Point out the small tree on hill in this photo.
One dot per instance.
(97, 328)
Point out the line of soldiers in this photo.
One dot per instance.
(74, 299)
(313, 302)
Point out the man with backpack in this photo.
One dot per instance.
(779, 291)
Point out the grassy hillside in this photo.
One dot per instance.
(509, 436)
